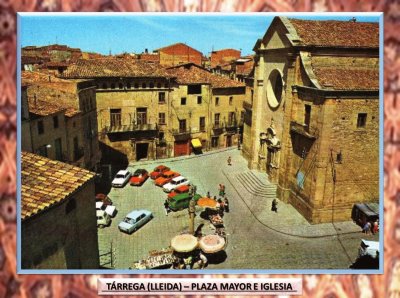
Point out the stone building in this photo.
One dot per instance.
(315, 114)
(206, 107)
(78, 126)
(178, 53)
(58, 218)
(224, 56)
(132, 106)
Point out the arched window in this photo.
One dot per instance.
(112, 86)
(136, 85)
(121, 86)
(158, 85)
(104, 86)
(144, 85)
(151, 85)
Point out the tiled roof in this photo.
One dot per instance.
(44, 108)
(179, 49)
(337, 33)
(192, 74)
(346, 73)
(113, 67)
(47, 182)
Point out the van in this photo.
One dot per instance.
(181, 201)
(103, 219)
(370, 248)
(365, 212)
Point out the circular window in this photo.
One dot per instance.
(274, 89)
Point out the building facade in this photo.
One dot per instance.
(178, 53)
(222, 57)
(58, 218)
(315, 114)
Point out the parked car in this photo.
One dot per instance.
(157, 172)
(100, 197)
(175, 182)
(134, 220)
(139, 177)
(178, 190)
(109, 209)
(166, 177)
(121, 178)
(181, 201)
(368, 248)
(103, 219)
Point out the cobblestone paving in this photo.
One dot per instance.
(255, 238)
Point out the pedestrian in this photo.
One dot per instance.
(208, 194)
(367, 228)
(215, 198)
(226, 204)
(166, 207)
(229, 161)
(375, 227)
(221, 190)
(274, 206)
(221, 208)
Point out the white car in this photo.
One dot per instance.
(121, 178)
(175, 182)
(109, 209)
(103, 219)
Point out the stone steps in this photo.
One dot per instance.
(253, 185)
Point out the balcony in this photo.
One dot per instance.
(181, 134)
(130, 128)
(231, 127)
(302, 129)
(247, 106)
(218, 128)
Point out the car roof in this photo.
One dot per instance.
(160, 167)
(140, 171)
(185, 195)
(182, 187)
(169, 172)
(371, 244)
(177, 178)
(123, 172)
(136, 213)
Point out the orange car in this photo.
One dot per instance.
(179, 190)
(157, 172)
(166, 177)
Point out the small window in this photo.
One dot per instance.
(121, 86)
(144, 85)
(161, 118)
(194, 89)
(361, 120)
(166, 85)
(128, 85)
(136, 85)
(151, 85)
(112, 86)
(217, 101)
(40, 127)
(158, 85)
(161, 97)
(55, 121)
(104, 86)
(202, 123)
(199, 100)
(183, 101)
(230, 100)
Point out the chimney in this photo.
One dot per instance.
(146, 51)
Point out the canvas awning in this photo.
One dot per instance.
(196, 143)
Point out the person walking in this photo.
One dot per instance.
(221, 190)
(229, 161)
(274, 207)
(166, 207)
(375, 227)
(226, 204)
(367, 228)
(208, 194)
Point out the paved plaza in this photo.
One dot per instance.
(257, 237)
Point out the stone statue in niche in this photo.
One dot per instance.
(273, 146)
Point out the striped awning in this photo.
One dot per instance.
(196, 143)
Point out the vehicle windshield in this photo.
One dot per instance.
(157, 170)
(119, 176)
(129, 220)
(137, 174)
(174, 182)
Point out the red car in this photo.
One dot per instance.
(178, 190)
(158, 171)
(100, 197)
(139, 177)
(166, 177)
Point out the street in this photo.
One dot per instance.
(257, 237)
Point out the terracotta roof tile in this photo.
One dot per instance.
(346, 73)
(113, 67)
(337, 33)
(39, 190)
(193, 74)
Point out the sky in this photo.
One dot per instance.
(133, 33)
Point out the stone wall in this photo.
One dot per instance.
(63, 237)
